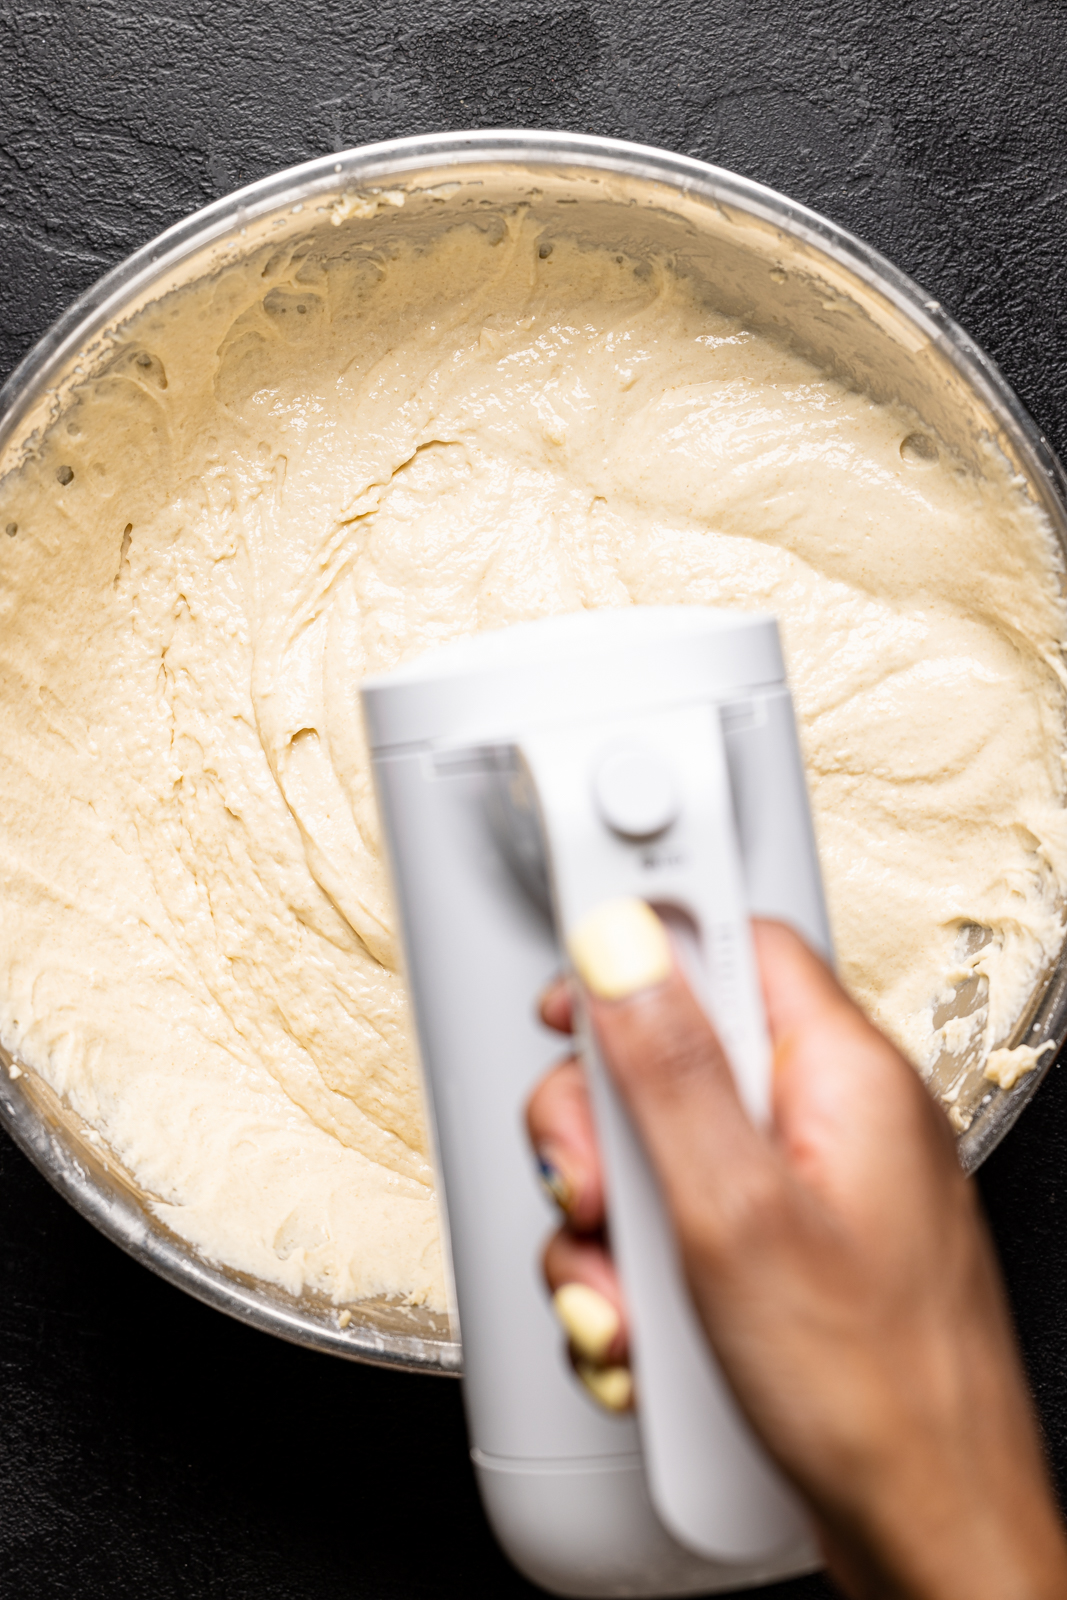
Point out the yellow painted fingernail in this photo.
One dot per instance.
(620, 948)
(611, 1387)
(591, 1320)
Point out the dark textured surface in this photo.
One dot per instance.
(148, 1447)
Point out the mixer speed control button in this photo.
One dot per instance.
(636, 792)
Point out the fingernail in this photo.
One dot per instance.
(620, 948)
(591, 1320)
(611, 1387)
(556, 1182)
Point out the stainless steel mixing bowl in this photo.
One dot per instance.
(756, 255)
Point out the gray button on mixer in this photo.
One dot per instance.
(636, 792)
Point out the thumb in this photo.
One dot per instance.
(666, 1060)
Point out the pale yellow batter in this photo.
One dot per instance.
(291, 476)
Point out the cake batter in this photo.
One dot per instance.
(309, 469)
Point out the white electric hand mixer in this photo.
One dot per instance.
(524, 777)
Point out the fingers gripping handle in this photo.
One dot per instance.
(710, 1480)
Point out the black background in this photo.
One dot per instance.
(148, 1446)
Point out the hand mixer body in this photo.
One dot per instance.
(511, 772)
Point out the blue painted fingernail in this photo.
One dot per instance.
(555, 1181)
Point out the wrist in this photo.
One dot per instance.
(953, 1534)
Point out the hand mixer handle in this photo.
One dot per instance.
(642, 805)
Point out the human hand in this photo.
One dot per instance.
(838, 1261)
